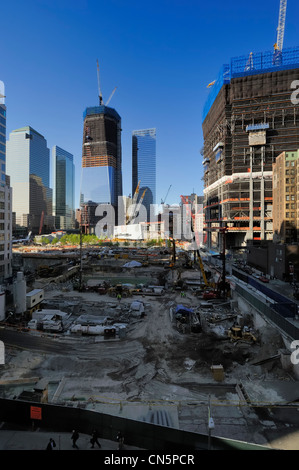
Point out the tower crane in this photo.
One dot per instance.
(281, 25)
(278, 46)
(99, 88)
(106, 104)
(163, 200)
(129, 216)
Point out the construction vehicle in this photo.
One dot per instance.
(237, 333)
(172, 263)
(119, 290)
(202, 269)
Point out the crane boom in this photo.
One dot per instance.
(281, 25)
(99, 86)
(108, 101)
(163, 200)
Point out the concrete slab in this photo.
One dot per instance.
(270, 392)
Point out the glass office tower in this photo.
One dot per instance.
(101, 178)
(63, 184)
(28, 164)
(144, 165)
(5, 198)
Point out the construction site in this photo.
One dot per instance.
(150, 335)
(249, 119)
(178, 344)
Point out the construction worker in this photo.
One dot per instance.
(120, 438)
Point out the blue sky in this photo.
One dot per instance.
(161, 55)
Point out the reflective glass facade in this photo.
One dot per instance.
(5, 198)
(101, 177)
(28, 164)
(63, 184)
(144, 165)
(98, 185)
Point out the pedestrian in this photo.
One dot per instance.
(51, 444)
(94, 439)
(75, 437)
(120, 439)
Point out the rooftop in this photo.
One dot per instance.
(101, 110)
(252, 64)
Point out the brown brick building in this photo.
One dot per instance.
(286, 197)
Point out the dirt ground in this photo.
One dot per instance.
(153, 367)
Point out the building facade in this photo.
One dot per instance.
(5, 198)
(101, 178)
(28, 164)
(286, 197)
(144, 165)
(248, 120)
(63, 185)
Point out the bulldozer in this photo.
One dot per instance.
(118, 289)
(237, 333)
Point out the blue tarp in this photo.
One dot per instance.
(182, 309)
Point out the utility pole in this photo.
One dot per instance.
(210, 423)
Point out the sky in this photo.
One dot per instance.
(161, 55)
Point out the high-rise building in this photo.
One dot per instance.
(5, 198)
(28, 164)
(286, 197)
(248, 120)
(101, 178)
(63, 185)
(144, 165)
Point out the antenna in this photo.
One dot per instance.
(99, 87)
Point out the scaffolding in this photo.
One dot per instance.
(250, 123)
(252, 64)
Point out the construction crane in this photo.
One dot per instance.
(108, 101)
(129, 217)
(99, 88)
(277, 56)
(192, 220)
(137, 207)
(164, 200)
(278, 46)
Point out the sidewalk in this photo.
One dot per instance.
(38, 440)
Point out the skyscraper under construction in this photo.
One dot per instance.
(101, 179)
(249, 119)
